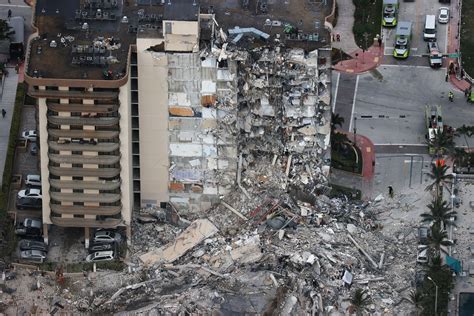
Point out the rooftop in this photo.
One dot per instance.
(182, 10)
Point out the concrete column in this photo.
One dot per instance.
(86, 236)
(45, 233)
(129, 235)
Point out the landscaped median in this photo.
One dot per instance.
(367, 19)
(467, 36)
(8, 245)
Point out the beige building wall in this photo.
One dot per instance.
(153, 122)
(181, 36)
(126, 174)
(43, 140)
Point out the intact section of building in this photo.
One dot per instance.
(143, 102)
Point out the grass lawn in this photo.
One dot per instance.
(367, 19)
(467, 37)
(346, 159)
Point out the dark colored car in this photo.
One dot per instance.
(26, 244)
(423, 234)
(34, 149)
(100, 246)
(29, 203)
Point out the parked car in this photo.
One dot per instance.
(443, 15)
(31, 193)
(30, 135)
(100, 256)
(422, 254)
(100, 246)
(29, 203)
(423, 234)
(106, 236)
(26, 244)
(33, 180)
(34, 149)
(29, 227)
(33, 255)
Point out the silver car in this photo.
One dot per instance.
(108, 236)
(443, 15)
(33, 255)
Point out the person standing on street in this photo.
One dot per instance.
(451, 96)
(4, 113)
(390, 191)
(9, 14)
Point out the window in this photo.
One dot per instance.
(168, 28)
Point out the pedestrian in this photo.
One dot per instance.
(9, 13)
(447, 77)
(17, 68)
(380, 41)
(390, 191)
(338, 37)
(451, 96)
(4, 113)
(466, 92)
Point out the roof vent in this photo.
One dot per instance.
(53, 44)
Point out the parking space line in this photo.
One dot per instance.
(335, 93)
(353, 103)
(393, 144)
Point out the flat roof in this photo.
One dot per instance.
(181, 10)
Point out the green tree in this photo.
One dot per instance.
(442, 143)
(439, 213)
(336, 120)
(359, 301)
(440, 178)
(416, 297)
(437, 239)
(5, 30)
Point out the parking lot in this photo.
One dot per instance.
(415, 12)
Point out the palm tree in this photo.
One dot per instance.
(439, 177)
(440, 212)
(442, 142)
(359, 301)
(437, 239)
(336, 120)
(415, 297)
(338, 140)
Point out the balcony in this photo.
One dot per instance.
(76, 120)
(96, 108)
(82, 133)
(86, 222)
(85, 210)
(84, 185)
(85, 172)
(82, 159)
(85, 197)
(57, 94)
(100, 147)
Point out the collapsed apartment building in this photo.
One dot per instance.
(142, 103)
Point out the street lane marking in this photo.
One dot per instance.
(392, 144)
(15, 5)
(406, 66)
(335, 93)
(353, 103)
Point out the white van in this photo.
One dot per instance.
(429, 32)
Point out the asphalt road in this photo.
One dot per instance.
(415, 12)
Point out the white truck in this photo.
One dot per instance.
(435, 56)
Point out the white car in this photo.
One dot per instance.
(422, 254)
(443, 15)
(108, 236)
(33, 180)
(30, 135)
(100, 256)
(33, 255)
(31, 193)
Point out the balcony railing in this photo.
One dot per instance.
(85, 197)
(82, 133)
(75, 120)
(85, 222)
(82, 159)
(85, 185)
(100, 147)
(85, 172)
(71, 94)
(85, 210)
(95, 108)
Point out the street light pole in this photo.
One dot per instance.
(436, 295)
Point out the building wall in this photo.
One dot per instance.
(184, 36)
(43, 139)
(153, 122)
(126, 186)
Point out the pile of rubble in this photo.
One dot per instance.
(284, 256)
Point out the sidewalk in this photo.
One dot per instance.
(345, 22)
(362, 61)
(8, 103)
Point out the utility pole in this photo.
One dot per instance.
(436, 295)
(364, 49)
